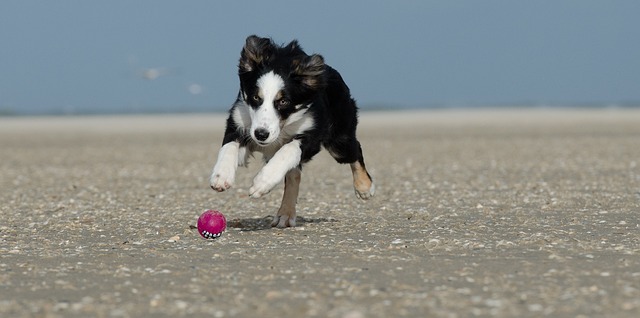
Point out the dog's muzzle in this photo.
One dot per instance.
(261, 134)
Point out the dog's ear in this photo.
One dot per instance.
(293, 46)
(256, 51)
(311, 70)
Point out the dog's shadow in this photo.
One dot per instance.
(259, 224)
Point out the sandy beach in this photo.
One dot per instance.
(494, 212)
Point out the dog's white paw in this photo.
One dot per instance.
(366, 194)
(224, 172)
(222, 179)
(263, 183)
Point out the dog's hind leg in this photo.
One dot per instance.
(347, 150)
(287, 213)
(362, 182)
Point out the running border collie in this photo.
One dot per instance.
(289, 105)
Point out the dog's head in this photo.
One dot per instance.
(278, 84)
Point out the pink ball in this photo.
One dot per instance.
(211, 224)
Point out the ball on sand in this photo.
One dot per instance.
(211, 224)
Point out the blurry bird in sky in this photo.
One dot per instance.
(154, 73)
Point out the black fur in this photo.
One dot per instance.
(308, 81)
(290, 105)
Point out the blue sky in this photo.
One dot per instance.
(90, 56)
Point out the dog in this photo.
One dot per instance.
(290, 104)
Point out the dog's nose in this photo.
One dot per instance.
(261, 134)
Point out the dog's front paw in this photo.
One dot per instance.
(286, 217)
(222, 179)
(283, 221)
(262, 184)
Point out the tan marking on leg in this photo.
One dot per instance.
(287, 213)
(362, 183)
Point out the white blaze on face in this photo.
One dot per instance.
(265, 116)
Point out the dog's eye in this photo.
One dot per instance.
(283, 102)
(256, 98)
